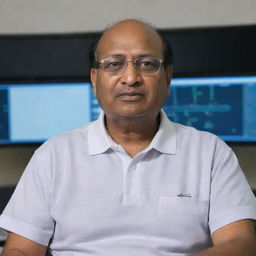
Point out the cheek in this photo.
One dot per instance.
(100, 86)
(161, 89)
(105, 88)
(161, 94)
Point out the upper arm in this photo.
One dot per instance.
(242, 230)
(24, 245)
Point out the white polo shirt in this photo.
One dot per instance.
(82, 194)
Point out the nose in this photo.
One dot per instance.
(130, 75)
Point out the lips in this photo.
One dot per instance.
(130, 96)
(127, 93)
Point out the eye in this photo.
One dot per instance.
(147, 64)
(113, 65)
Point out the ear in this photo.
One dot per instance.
(93, 76)
(169, 73)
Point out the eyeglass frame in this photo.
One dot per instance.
(161, 62)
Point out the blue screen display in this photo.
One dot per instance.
(225, 106)
(36, 112)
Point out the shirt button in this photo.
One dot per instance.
(133, 167)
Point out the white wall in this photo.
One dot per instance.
(61, 16)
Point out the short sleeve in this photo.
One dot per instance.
(28, 211)
(231, 198)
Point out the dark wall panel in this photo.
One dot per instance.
(215, 51)
(44, 57)
(211, 51)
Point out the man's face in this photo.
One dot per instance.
(130, 94)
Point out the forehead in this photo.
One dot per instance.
(131, 39)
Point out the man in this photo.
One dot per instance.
(132, 183)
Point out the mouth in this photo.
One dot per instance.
(130, 96)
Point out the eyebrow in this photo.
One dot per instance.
(119, 55)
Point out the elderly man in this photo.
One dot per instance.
(132, 182)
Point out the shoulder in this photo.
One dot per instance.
(198, 140)
(66, 141)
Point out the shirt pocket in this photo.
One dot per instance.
(185, 220)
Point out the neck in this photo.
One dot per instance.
(133, 134)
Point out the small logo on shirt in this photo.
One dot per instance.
(184, 195)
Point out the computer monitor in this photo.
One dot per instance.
(32, 113)
(225, 106)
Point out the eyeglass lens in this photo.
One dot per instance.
(142, 65)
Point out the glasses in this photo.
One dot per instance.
(116, 66)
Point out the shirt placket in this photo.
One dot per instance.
(132, 193)
(132, 176)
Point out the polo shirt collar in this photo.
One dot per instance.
(98, 138)
(164, 141)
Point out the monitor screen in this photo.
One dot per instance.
(35, 112)
(225, 106)
(32, 113)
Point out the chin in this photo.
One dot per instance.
(131, 114)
